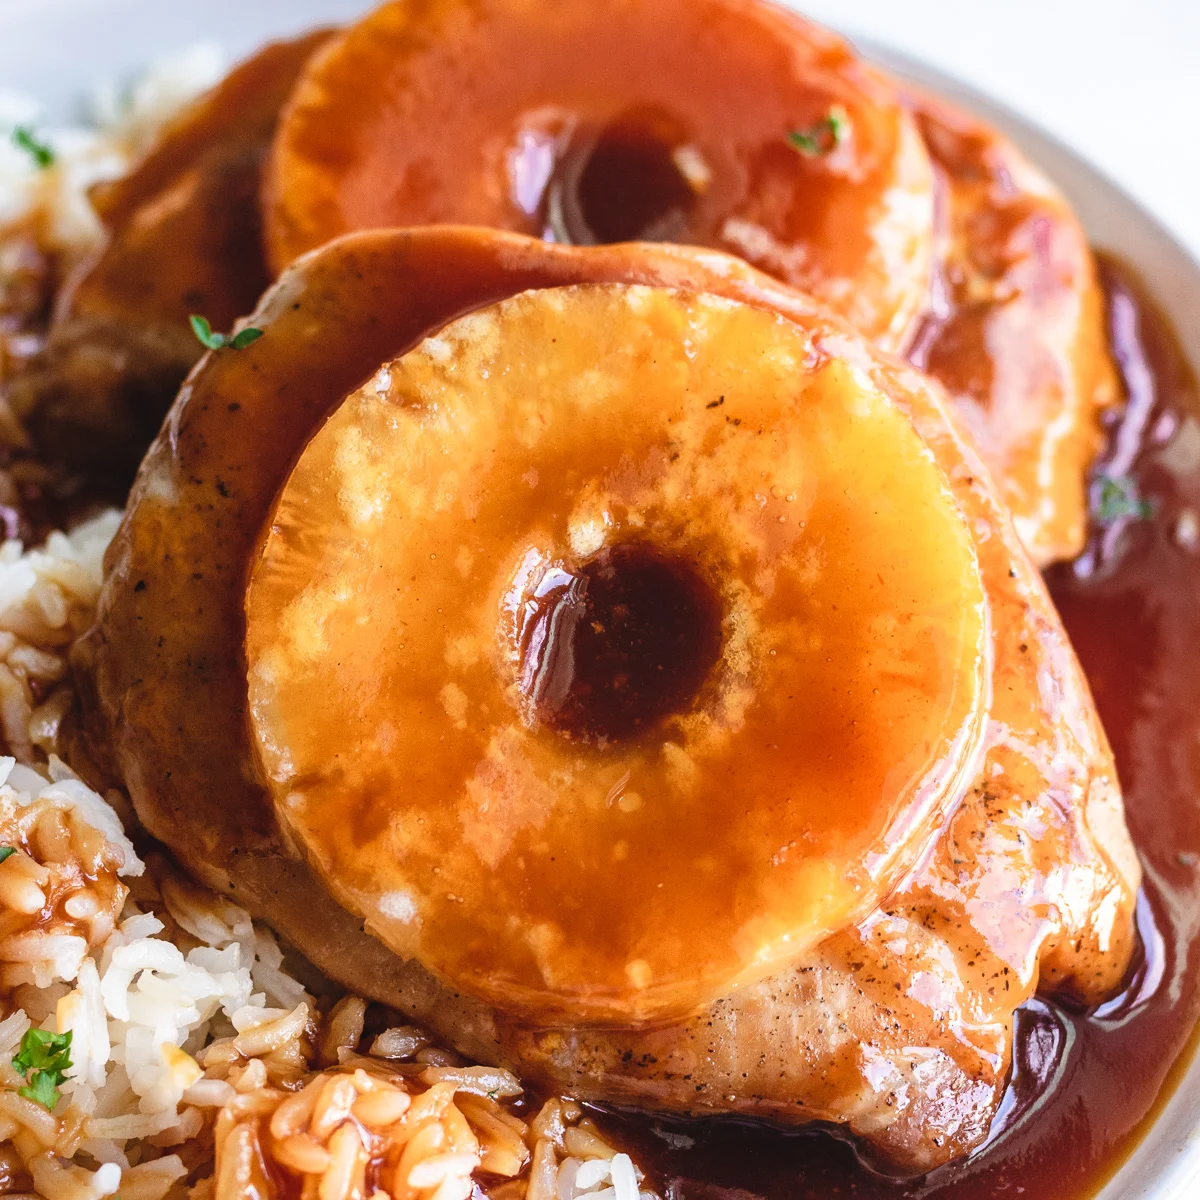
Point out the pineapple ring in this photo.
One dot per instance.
(724, 123)
(614, 646)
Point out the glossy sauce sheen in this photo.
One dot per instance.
(1085, 1084)
(612, 648)
(619, 184)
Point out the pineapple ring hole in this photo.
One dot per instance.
(627, 181)
(610, 648)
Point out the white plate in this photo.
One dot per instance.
(57, 49)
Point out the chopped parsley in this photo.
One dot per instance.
(826, 135)
(7, 852)
(44, 1059)
(24, 139)
(43, 1088)
(1118, 499)
(218, 341)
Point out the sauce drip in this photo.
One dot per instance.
(612, 648)
(1085, 1084)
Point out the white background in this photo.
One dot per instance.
(1119, 80)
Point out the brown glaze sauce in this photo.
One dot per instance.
(611, 648)
(1085, 1084)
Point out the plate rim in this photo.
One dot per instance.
(1165, 1163)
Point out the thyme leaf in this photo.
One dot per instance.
(219, 341)
(241, 340)
(24, 139)
(823, 137)
(1118, 499)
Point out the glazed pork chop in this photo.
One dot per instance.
(896, 1025)
(181, 236)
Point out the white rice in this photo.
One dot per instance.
(125, 120)
(136, 997)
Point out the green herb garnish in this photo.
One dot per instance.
(7, 852)
(44, 1059)
(42, 1089)
(1118, 499)
(218, 341)
(24, 139)
(826, 135)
